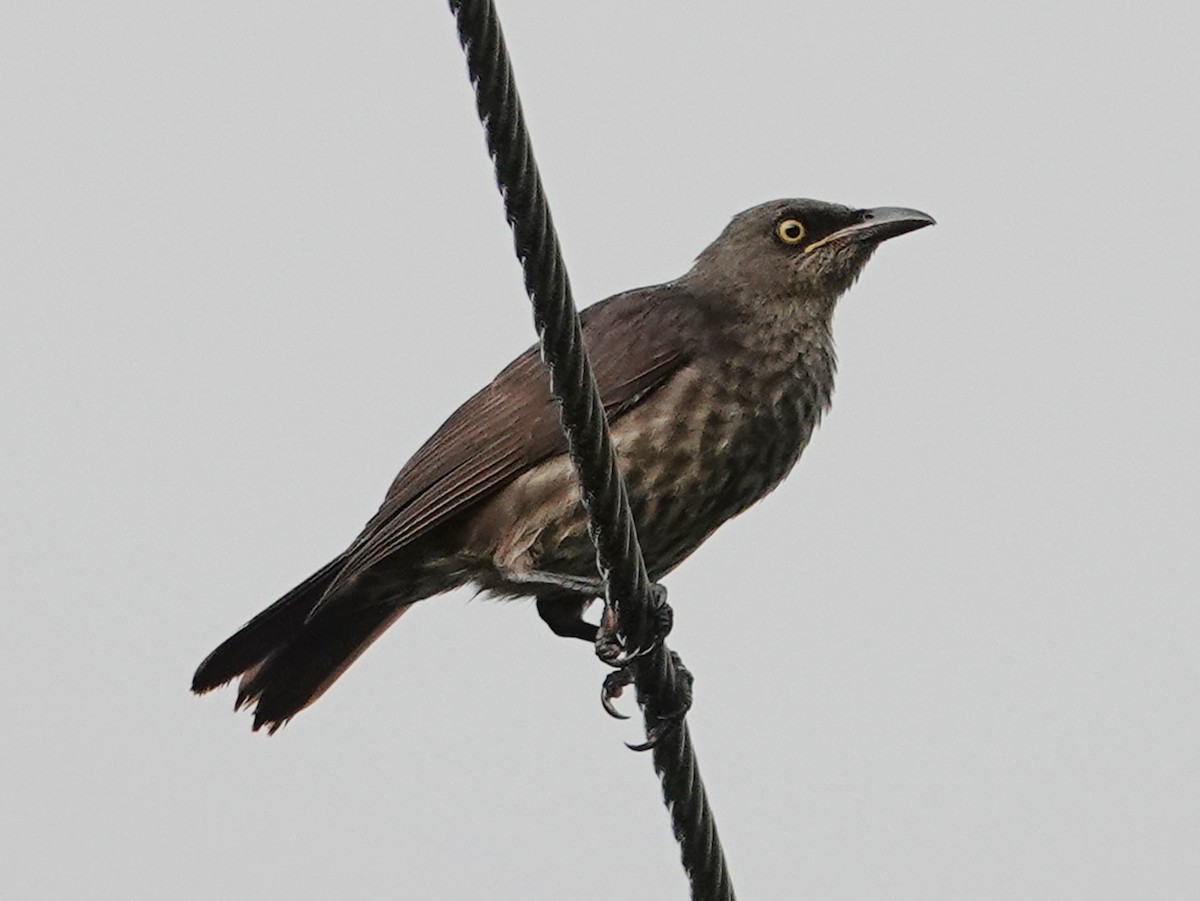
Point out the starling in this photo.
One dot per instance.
(713, 384)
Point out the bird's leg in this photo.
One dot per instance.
(563, 613)
(561, 600)
(592, 587)
(610, 647)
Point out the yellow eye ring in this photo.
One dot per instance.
(790, 231)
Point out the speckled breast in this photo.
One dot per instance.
(703, 449)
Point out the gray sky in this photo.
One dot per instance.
(252, 255)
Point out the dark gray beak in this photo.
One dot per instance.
(879, 224)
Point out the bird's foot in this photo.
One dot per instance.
(631, 649)
(613, 687)
(659, 723)
(613, 639)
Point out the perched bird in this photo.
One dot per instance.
(713, 384)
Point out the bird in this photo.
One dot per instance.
(713, 385)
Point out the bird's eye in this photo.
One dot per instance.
(790, 231)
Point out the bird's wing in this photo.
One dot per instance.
(636, 341)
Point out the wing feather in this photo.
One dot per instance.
(636, 341)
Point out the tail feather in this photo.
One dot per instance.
(300, 671)
(264, 634)
(287, 656)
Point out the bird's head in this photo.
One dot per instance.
(800, 250)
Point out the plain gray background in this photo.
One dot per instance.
(252, 255)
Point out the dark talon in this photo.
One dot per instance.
(614, 686)
(666, 723)
(655, 734)
(611, 710)
(666, 726)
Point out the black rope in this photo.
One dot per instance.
(663, 685)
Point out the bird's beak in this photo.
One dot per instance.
(877, 225)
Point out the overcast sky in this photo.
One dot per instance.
(251, 255)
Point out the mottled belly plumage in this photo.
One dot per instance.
(694, 455)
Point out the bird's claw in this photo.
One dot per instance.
(613, 687)
(652, 738)
(666, 723)
(659, 725)
(611, 645)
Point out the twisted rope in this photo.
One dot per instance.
(659, 676)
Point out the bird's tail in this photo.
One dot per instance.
(287, 659)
